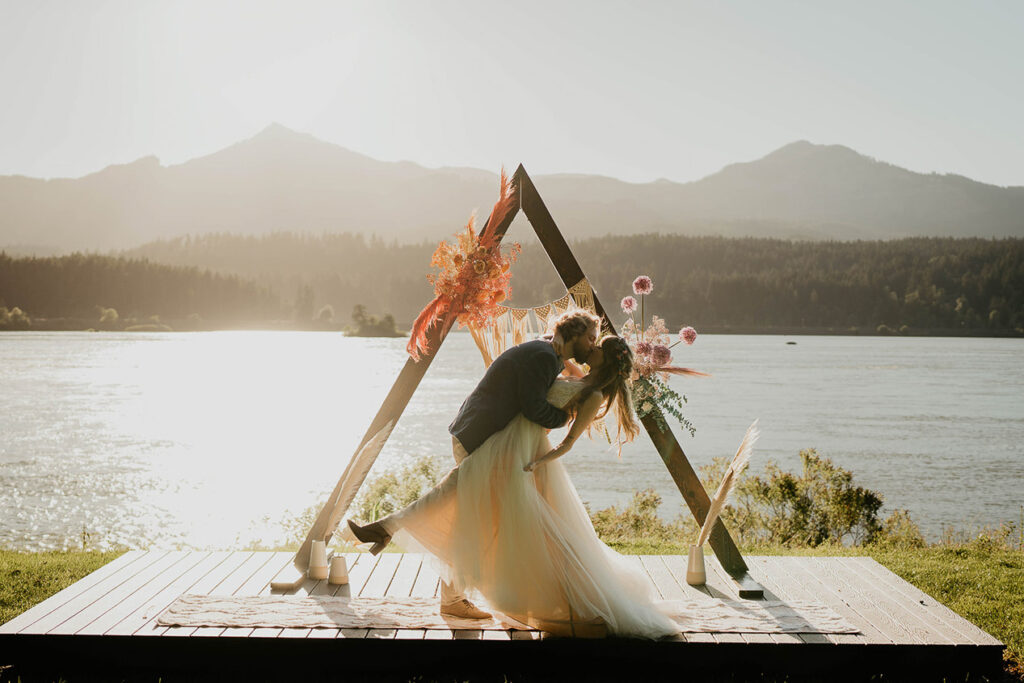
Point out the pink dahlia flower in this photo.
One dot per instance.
(660, 355)
(643, 285)
(643, 348)
(688, 335)
(628, 305)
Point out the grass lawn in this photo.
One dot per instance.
(983, 584)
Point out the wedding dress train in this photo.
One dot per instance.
(526, 543)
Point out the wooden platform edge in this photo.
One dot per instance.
(547, 654)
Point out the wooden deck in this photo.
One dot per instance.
(109, 616)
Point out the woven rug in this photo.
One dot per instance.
(276, 611)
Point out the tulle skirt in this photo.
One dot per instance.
(525, 542)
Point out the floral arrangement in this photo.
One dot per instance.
(476, 278)
(472, 280)
(652, 360)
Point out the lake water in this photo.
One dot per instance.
(214, 440)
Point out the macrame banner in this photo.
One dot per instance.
(515, 325)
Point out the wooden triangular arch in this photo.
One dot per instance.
(522, 195)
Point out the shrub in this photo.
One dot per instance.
(392, 491)
(640, 521)
(900, 531)
(820, 505)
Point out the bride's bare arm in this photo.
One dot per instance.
(584, 416)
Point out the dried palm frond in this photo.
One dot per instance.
(676, 370)
(732, 475)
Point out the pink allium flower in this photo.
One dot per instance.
(688, 335)
(643, 285)
(628, 305)
(660, 355)
(643, 348)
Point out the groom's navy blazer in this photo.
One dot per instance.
(517, 382)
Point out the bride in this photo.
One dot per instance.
(517, 532)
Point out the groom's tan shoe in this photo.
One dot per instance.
(464, 609)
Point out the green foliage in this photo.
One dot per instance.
(900, 531)
(749, 284)
(639, 522)
(819, 505)
(392, 491)
(115, 291)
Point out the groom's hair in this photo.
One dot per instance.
(574, 323)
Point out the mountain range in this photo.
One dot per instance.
(284, 180)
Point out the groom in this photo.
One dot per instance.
(516, 382)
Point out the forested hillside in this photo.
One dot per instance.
(110, 291)
(927, 285)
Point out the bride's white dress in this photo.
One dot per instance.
(526, 543)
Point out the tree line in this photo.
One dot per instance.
(114, 290)
(917, 285)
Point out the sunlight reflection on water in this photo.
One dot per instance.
(212, 440)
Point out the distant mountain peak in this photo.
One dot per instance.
(804, 148)
(276, 132)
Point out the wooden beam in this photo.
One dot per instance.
(668, 447)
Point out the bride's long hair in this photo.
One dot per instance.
(612, 379)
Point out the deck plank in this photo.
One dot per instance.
(867, 605)
(159, 601)
(807, 584)
(256, 584)
(715, 566)
(716, 588)
(428, 584)
(798, 585)
(676, 566)
(887, 601)
(358, 575)
(721, 582)
(226, 586)
(942, 617)
(377, 586)
(411, 565)
(333, 590)
(60, 598)
(402, 580)
(129, 588)
(201, 587)
(98, 591)
(665, 585)
(776, 590)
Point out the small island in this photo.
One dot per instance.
(367, 325)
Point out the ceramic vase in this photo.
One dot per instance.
(339, 571)
(318, 560)
(695, 575)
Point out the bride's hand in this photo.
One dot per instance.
(528, 467)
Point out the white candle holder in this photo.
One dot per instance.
(318, 560)
(339, 571)
(695, 574)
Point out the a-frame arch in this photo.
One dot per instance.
(521, 195)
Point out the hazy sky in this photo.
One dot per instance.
(635, 90)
